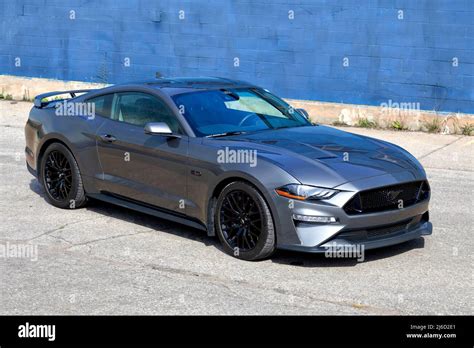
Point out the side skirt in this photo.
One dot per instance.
(148, 209)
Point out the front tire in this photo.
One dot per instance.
(244, 223)
(61, 178)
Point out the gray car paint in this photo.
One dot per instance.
(159, 173)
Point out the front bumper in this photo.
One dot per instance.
(373, 230)
(398, 237)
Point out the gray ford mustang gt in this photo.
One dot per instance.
(229, 158)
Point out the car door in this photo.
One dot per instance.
(139, 166)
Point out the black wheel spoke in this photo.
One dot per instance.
(240, 220)
(229, 205)
(231, 211)
(252, 235)
(254, 226)
(236, 204)
(63, 190)
(54, 161)
(58, 175)
(226, 214)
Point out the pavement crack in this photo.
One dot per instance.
(60, 238)
(109, 238)
(279, 291)
(450, 169)
(49, 232)
(59, 228)
(440, 148)
(296, 300)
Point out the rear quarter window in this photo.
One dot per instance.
(102, 104)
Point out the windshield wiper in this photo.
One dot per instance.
(293, 126)
(225, 134)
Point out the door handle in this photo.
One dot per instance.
(107, 138)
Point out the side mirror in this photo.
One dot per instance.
(304, 113)
(159, 128)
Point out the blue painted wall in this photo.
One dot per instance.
(389, 58)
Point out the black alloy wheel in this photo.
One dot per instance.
(60, 176)
(241, 220)
(244, 222)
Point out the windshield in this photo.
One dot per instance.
(236, 110)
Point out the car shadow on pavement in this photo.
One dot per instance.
(284, 257)
(294, 258)
(37, 188)
(142, 219)
(150, 221)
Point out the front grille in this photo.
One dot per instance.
(388, 198)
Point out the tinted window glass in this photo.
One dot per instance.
(102, 104)
(140, 108)
(241, 109)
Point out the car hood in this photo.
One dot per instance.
(325, 156)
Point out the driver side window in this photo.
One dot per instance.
(141, 108)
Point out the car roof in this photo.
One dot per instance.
(178, 85)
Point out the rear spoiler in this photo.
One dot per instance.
(38, 99)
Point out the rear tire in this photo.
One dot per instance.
(244, 223)
(61, 178)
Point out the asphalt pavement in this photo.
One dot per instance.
(105, 259)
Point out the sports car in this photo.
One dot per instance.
(229, 158)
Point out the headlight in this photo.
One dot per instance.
(305, 193)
